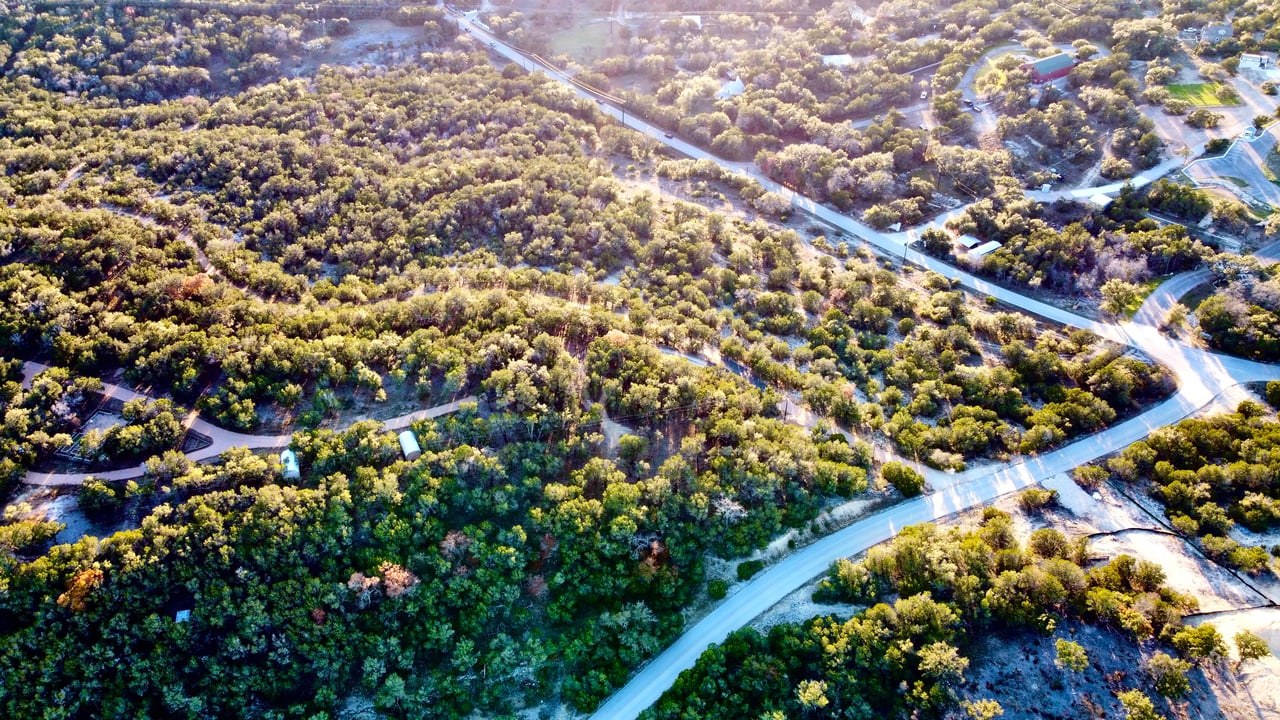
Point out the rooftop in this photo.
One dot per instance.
(1053, 63)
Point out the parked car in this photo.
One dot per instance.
(924, 94)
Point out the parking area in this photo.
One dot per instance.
(1240, 170)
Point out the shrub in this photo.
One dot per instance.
(906, 480)
(1137, 706)
(1170, 675)
(1037, 498)
(1273, 393)
(1090, 477)
(717, 589)
(1200, 642)
(748, 568)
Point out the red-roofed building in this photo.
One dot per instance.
(1050, 68)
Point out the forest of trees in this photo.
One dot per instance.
(196, 205)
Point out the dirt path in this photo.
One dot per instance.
(1092, 174)
(71, 176)
(184, 236)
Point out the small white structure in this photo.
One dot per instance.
(289, 462)
(1252, 61)
(985, 248)
(731, 88)
(1102, 201)
(844, 60)
(968, 241)
(182, 616)
(409, 445)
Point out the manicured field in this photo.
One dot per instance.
(1200, 94)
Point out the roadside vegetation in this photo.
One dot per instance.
(928, 596)
(1211, 475)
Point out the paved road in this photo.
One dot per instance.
(223, 439)
(1203, 378)
(1157, 305)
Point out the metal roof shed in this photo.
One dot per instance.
(409, 445)
(289, 459)
(985, 248)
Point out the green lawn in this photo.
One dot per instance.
(1200, 94)
(989, 62)
(1144, 289)
(585, 42)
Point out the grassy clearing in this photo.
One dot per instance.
(585, 42)
(988, 65)
(1144, 289)
(1205, 94)
(1271, 166)
(1193, 299)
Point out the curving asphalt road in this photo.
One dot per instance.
(1157, 305)
(1203, 378)
(223, 439)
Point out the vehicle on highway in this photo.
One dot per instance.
(667, 135)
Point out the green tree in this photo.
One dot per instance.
(1137, 706)
(1071, 655)
(906, 480)
(813, 694)
(1170, 675)
(1199, 643)
(985, 709)
(1250, 647)
(1118, 296)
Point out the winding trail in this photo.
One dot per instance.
(222, 438)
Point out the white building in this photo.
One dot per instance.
(409, 445)
(985, 248)
(731, 88)
(289, 462)
(1252, 61)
